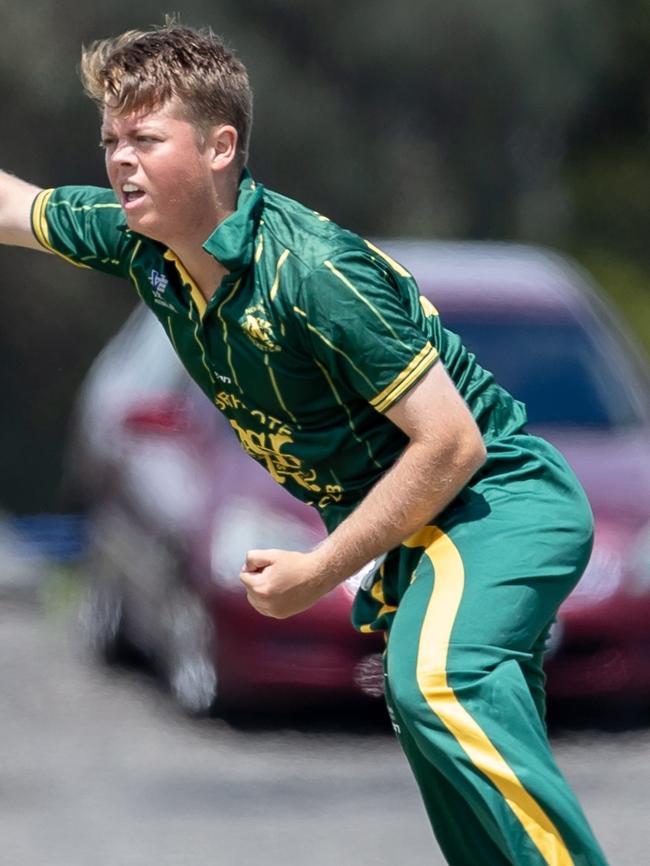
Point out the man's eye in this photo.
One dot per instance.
(106, 142)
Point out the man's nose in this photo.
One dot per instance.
(123, 154)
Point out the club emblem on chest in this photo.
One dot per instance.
(258, 329)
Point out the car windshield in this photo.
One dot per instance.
(563, 375)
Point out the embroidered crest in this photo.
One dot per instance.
(258, 329)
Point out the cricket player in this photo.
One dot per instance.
(341, 380)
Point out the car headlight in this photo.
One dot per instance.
(243, 524)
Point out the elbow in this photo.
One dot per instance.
(473, 455)
(480, 453)
(480, 456)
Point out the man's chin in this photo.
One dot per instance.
(141, 224)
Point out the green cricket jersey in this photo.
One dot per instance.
(312, 335)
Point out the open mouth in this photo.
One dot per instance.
(131, 193)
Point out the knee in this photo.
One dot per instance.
(429, 692)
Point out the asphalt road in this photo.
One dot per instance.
(98, 768)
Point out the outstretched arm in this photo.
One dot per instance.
(16, 198)
(444, 452)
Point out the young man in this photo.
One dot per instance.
(341, 380)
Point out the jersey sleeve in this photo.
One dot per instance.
(366, 327)
(83, 225)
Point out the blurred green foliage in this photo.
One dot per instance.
(507, 119)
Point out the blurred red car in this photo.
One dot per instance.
(175, 503)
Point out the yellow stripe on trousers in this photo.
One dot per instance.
(432, 681)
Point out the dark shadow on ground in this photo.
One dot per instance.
(609, 716)
(365, 718)
(369, 717)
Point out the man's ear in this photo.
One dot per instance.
(222, 141)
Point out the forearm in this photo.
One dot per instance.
(417, 488)
(16, 197)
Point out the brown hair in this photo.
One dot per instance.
(142, 70)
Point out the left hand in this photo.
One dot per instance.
(281, 583)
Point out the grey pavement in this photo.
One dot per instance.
(98, 769)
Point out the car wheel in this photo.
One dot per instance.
(190, 663)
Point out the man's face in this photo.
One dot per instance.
(161, 173)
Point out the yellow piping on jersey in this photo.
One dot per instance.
(75, 207)
(365, 300)
(199, 301)
(334, 348)
(41, 229)
(171, 335)
(259, 249)
(202, 348)
(394, 265)
(39, 224)
(336, 479)
(337, 397)
(277, 390)
(196, 324)
(403, 381)
(225, 334)
(427, 307)
(278, 268)
(131, 274)
(106, 261)
(431, 674)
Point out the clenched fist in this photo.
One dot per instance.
(281, 583)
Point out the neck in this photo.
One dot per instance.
(205, 270)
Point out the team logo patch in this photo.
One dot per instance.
(258, 329)
(159, 282)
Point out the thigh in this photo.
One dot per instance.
(515, 545)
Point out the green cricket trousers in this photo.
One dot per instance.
(467, 604)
